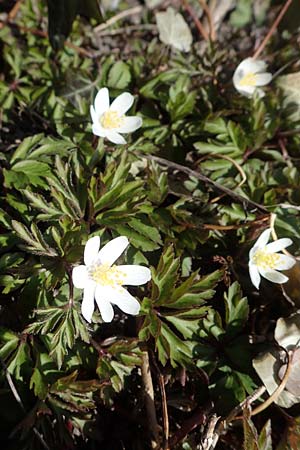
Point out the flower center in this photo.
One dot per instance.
(266, 260)
(249, 79)
(111, 119)
(106, 275)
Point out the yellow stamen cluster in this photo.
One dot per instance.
(106, 275)
(265, 260)
(248, 80)
(111, 119)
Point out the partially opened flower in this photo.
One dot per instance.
(109, 121)
(265, 261)
(250, 75)
(103, 281)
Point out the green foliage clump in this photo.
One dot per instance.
(191, 191)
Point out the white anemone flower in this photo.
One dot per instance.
(265, 261)
(103, 281)
(110, 120)
(250, 75)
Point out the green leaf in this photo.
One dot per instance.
(165, 277)
(291, 91)
(119, 76)
(27, 144)
(122, 357)
(237, 309)
(265, 437)
(32, 167)
(60, 20)
(242, 15)
(250, 432)
(34, 239)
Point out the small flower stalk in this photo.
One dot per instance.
(102, 281)
(250, 75)
(109, 120)
(265, 260)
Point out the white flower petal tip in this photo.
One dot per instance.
(91, 250)
(266, 261)
(135, 275)
(249, 76)
(102, 281)
(110, 120)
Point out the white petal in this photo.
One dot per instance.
(87, 306)
(252, 65)
(263, 238)
(122, 103)
(261, 79)
(254, 275)
(285, 262)
(135, 275)
(248, 91)
(112, 250)
(99, 131)
(104, 305)
(114, 137)
(120, 297)
(101, 102)
(260, 92)
(252, 252)
(80, 276)
(94, 116)
(272, 275)
(278, 245)
(130, 124)
(91, 250)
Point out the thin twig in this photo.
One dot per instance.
(236, 165)
(198, 418)
(284, 152)
(208, 437)
(233, 415)
(272, 29)
(289, 132)
(212, 31)
(253, 223)
(164, 411)
(44, 34)
(143, 27)
(149, 399)
(198, 24)
(223, 424)
(127, 13)
(277, 391)
(14, 11)
(239, 198)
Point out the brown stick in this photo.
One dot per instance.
(41, 33)
(149, 400)
(14, 11)
(198, 24)
(212, 31)
(201, 177)
(272, 29)
(164, 411)
(127, 13)
(198, 418)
